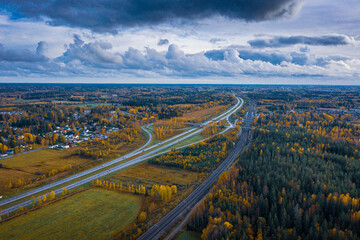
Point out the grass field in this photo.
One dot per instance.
(93, 214)
(189, 235)
(33, 164)
(154, 173)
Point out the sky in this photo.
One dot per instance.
(180, 41)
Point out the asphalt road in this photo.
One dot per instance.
(167, 222)
(146, 155)
(51, 185)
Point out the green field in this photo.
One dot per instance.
(93, 214)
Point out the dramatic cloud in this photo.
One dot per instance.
(94, 54)
(271, 57)
(107, 15)
(24, 55)
(301, 58)
(278, 41)
(163, 42)
(98, 59)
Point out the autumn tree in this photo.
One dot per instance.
(21, 208)
(142, 217)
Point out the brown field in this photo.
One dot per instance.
(154, 173)
(203, 113)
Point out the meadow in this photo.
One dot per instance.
(92, 214)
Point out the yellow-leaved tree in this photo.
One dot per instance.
(142, 217)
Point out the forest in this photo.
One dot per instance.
(298, 179)
(202, 157)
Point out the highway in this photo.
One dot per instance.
(167, 222)
(145, 151)
(51, 185)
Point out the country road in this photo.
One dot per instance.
(146, 154)
(167, 222)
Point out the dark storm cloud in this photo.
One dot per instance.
(107, 15)
(163, 42)
(293, 40)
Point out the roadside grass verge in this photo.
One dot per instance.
(193, 139)
(92, 214)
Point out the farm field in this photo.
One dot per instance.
(34, 164)
(150, 172)
(95, 214)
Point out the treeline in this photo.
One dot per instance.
(156, 193)
(155, 199)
